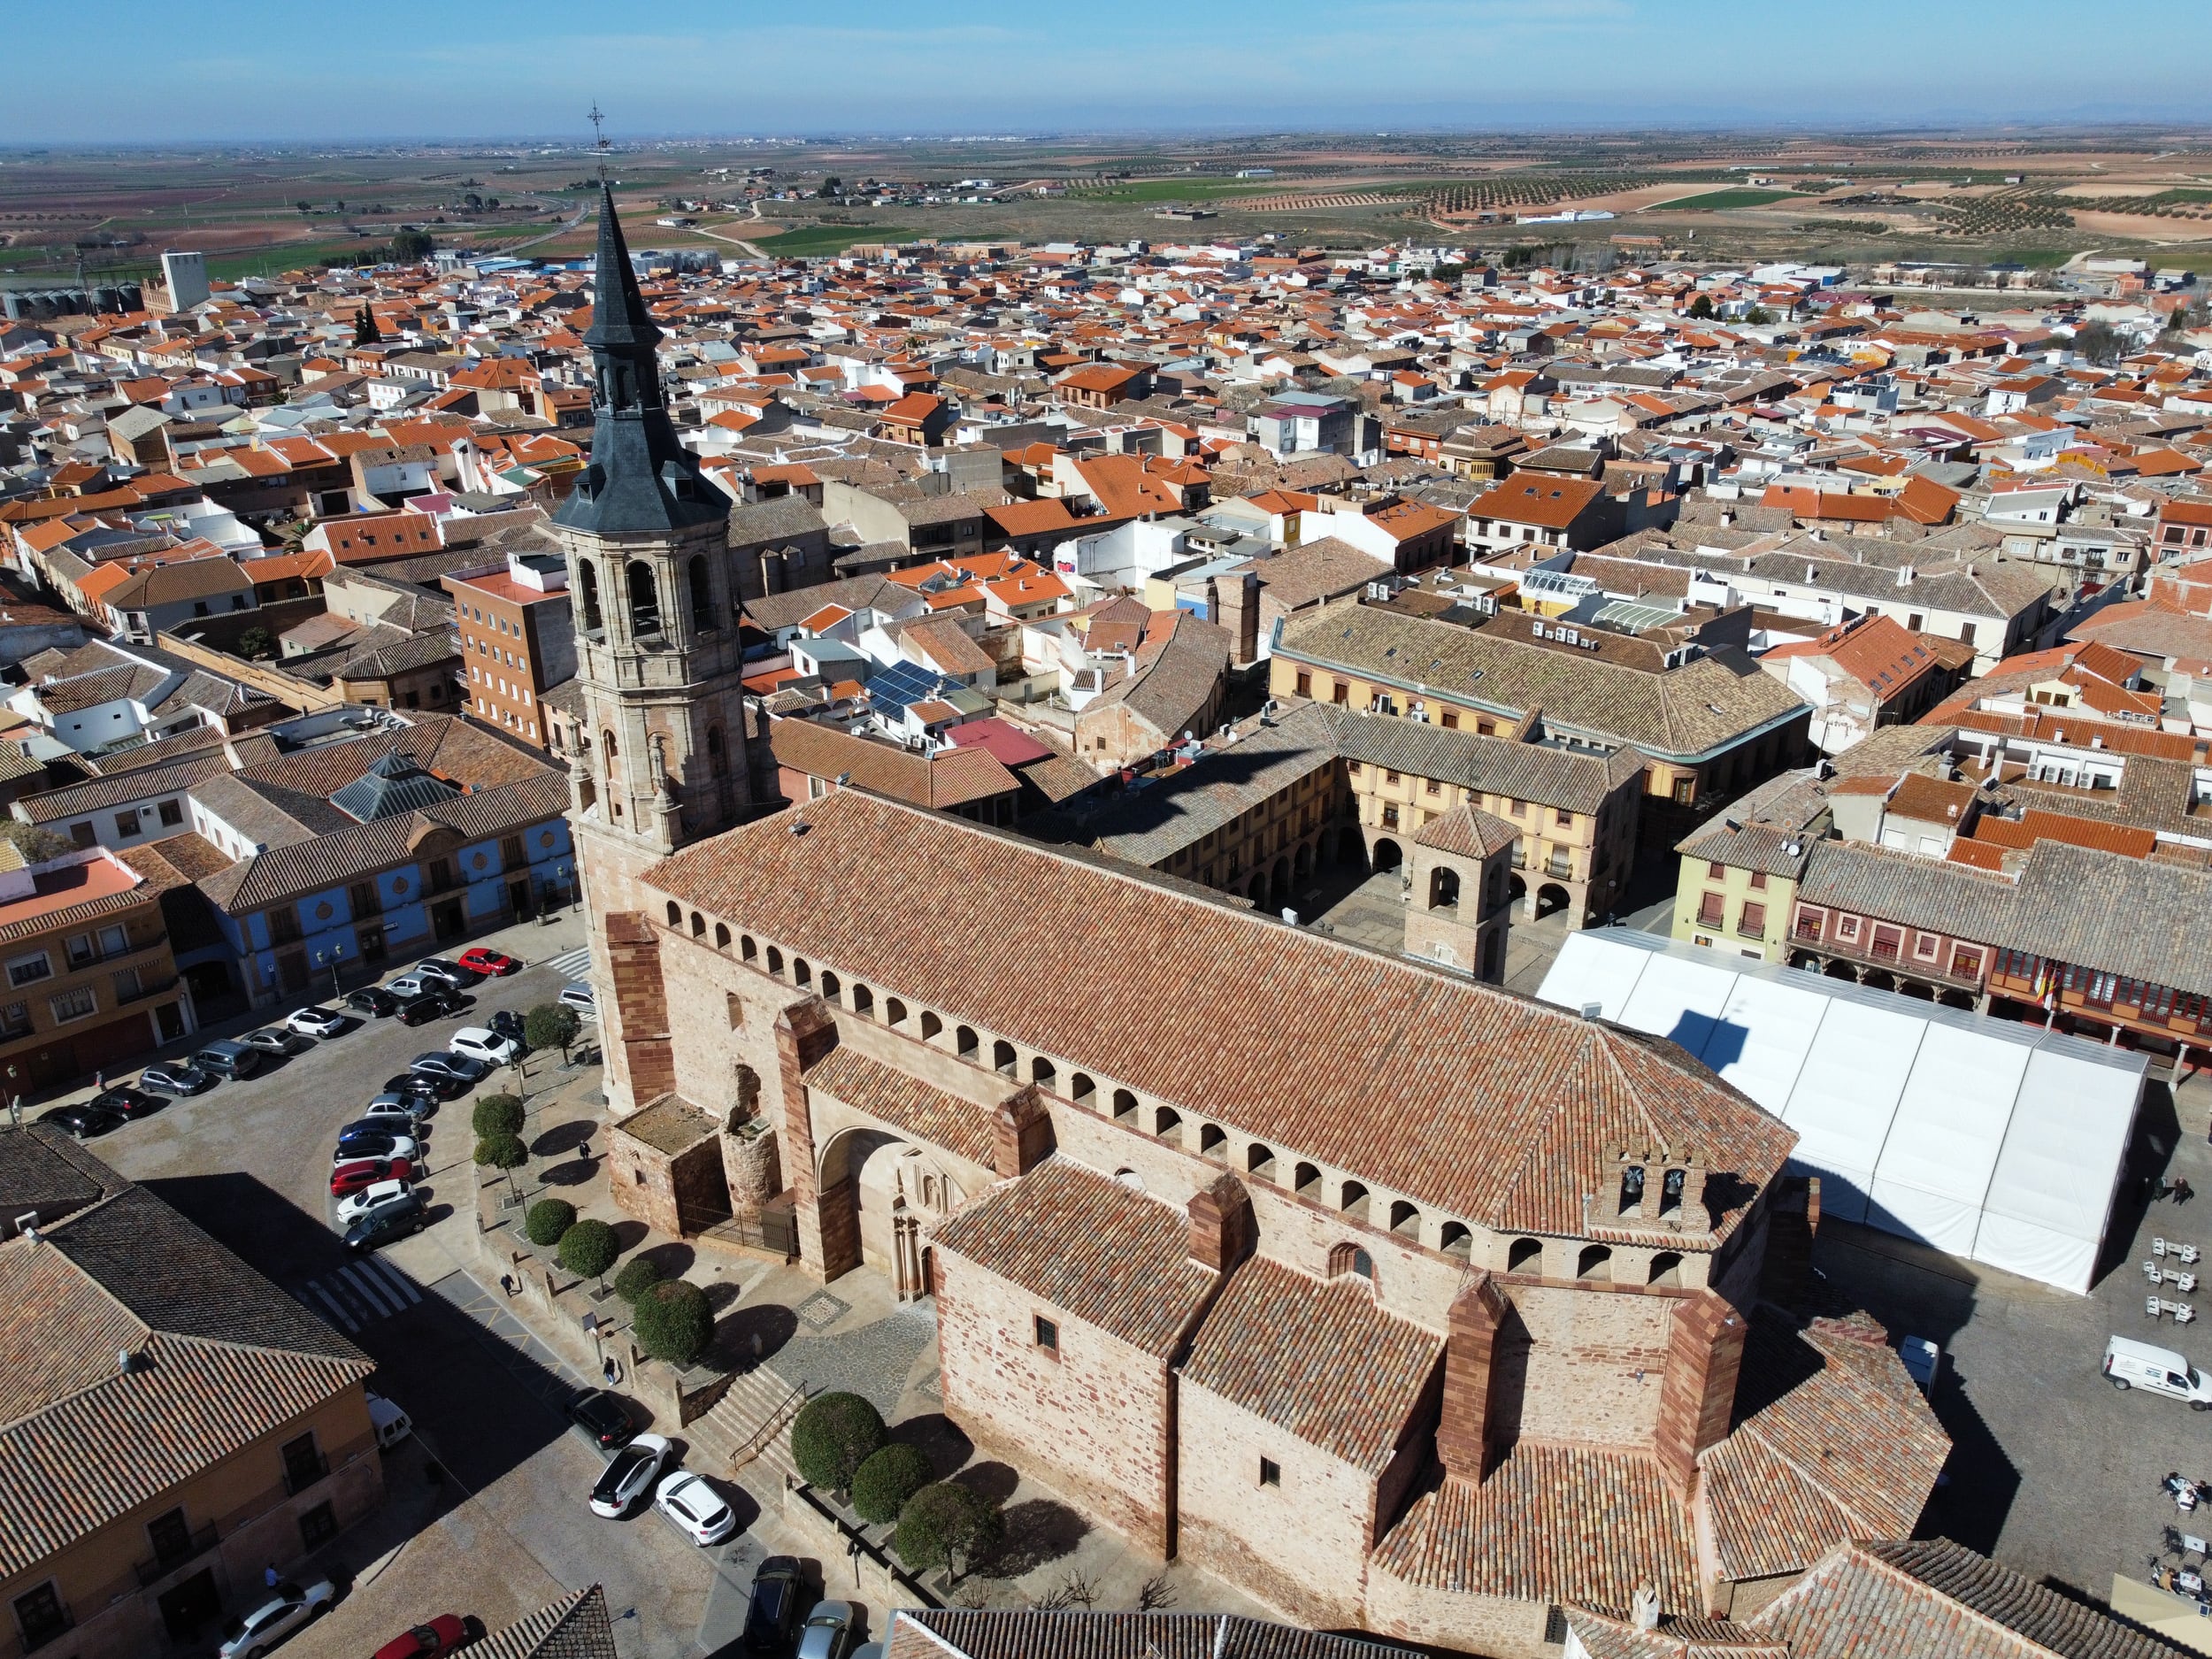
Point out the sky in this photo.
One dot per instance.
(233, 70)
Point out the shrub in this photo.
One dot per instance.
(550, 1025)
(638, 1276)
(497, 1115)
(948, 1525)
(672, 1322)
(887, 1478)
(589, 1249)
(545, 1221)
(833, 1435)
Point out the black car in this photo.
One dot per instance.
(176, 1076)
(436, 1088)
(420, 1010)
(452, 972)
(128, 1102)
(464, 1069)
(508, 1024)
(372, 1000)
(778, 1589)
(603, 1419)
(394, 1219)
(83, 1120)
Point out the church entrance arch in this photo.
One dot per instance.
(878, 1192)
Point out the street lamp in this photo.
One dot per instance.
(330, 954)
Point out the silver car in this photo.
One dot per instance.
(828, 1631)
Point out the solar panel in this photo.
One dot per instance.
(904, 683)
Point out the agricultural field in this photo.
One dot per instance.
(1720, 201)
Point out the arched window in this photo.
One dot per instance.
(894, 1012)
(802, 973)
(714, 751)
(645, 600)
(1306, 1182)
(864, 1002)
(931, 1025)
(698, 924)
(1085, 1092)
(1443, 889)
(1167, 1122)
(702, 593)
(1666, 1269)
(1043, 1072)
(1525, 1257)
(1405, 1220)
(1352, 1200)
(607, 751)
(965, 1042)
(1002, 1057)
(1456, 1240)
(830, 984)
(1349, 1258)
(1212, 1138)
(675, 914)
(748, 948)
(1632, 1187)
(1670, 1187)
(775, 962)
(588, 595)
(1124, 1107)
(721, 937)
(1594, 1263)
(1260, 1161)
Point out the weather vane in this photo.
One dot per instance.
(599, 138)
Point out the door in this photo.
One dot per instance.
(447, 920)
(185, 1607)
(519, 899)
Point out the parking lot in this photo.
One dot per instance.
(487, 1509)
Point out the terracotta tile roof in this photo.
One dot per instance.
(1468, 831)
(1031, 1633)
(1551, 1523)
(1546, 500)
(1506, 1131)
(1319, 1357)
(1082, 1242)
(575, 1627)
(921, 1108)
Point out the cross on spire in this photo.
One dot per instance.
(599, 138)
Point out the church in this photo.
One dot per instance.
(1402, 1302)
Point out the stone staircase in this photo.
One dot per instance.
(749, 1431)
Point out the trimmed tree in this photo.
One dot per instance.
(545, 1221)
(502, 1152)
(833, 1435)
(638, 1276)
(672, 1322)
(887, 1478)
(589, 1249)
(948, 1525)
(550, 1025)
(497, 1115)
(366, 333)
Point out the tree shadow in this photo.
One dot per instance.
(721, 1294)
(939, 1439)
(732, 1348)
(1039, 1530)
(563, 1138)
(574, 1173)
(991, 1480)
(628, 1234)
(673, 1257)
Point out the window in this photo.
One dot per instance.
(31, 969)
(113, 941)
(42, 1616)
(318, 1526)
(171, 812)
(80, 950)
(74, 1005)
(303, 1465)
(1341, 694)
(170, 1536)
(15, 1019)
(1451, 720)
(1433, 787)
(82, 835)
(1966, 964)
(1271, 1473)
(1758, 880)
(1753, 923)
(1565, 818)
(1710, 909)
(1047, 1336)
(126, 823)
(1305, 683)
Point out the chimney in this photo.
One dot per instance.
(1643, 1608)
(1465, 1429)
(1904, 575)
(1021, 1132)
(1704, 1354)
(1222, 1230)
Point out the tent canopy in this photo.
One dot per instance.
(1989, 1139)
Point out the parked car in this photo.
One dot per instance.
(129, 1103)
(2160, 1370)
(628, 1476)
(434, 1004)
(354, 1205)
(315, 1022)
(423, 1083)
(470, 1069)
(410, 1104)
(389, 1222)
(442, 1635)
(372, 1000)
(351, 1178)
(288, 1608)
(476, 1042)
(694, 1505)
(83, 1119)
(224, 1058)
(413, 983)
(359, 1142)
(452, 973)
(484, 959)
(577, 995)
(828, 1631)
(774, 1608)
(507, 1023)
(392, 1112)
(389, 1420)
(176, 1076)
(269, 1040)
(605, 1420)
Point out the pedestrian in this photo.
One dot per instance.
(507, 1284)
(607, 1369)
(100, 1082)
(269, 1576)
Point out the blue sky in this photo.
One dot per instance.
(230, 69)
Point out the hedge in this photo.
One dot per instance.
(833, 1435)
(545, 1221)
(672, 1322)
(887, 1478)
(638, 1276)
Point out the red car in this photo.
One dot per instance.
(442, 1635)
(351, 1178)
(483, 959)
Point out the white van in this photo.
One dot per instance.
(391, 1424)
(2130, 1364)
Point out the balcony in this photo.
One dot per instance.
(197, 1543)
(302, 1472)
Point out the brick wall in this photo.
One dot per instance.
(633, 967)
(1576, 1376)
(1466, 1623)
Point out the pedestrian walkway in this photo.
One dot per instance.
(361, 1292)
(537, 1367)
(571, 965)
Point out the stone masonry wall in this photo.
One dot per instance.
(1467, 1623)
(1592, 1370)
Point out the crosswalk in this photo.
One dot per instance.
(571, 965)
(362, 1292)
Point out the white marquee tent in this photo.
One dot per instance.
(1990, 1140)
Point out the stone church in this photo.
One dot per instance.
(1399, 1301)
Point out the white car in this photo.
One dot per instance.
(689, 1501)
(577, 995)
(479, 1043)
(413, 984)
(628, 1476)
(288, 1608)
(369, 1197)
(374, 1143)
(315, 1022)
